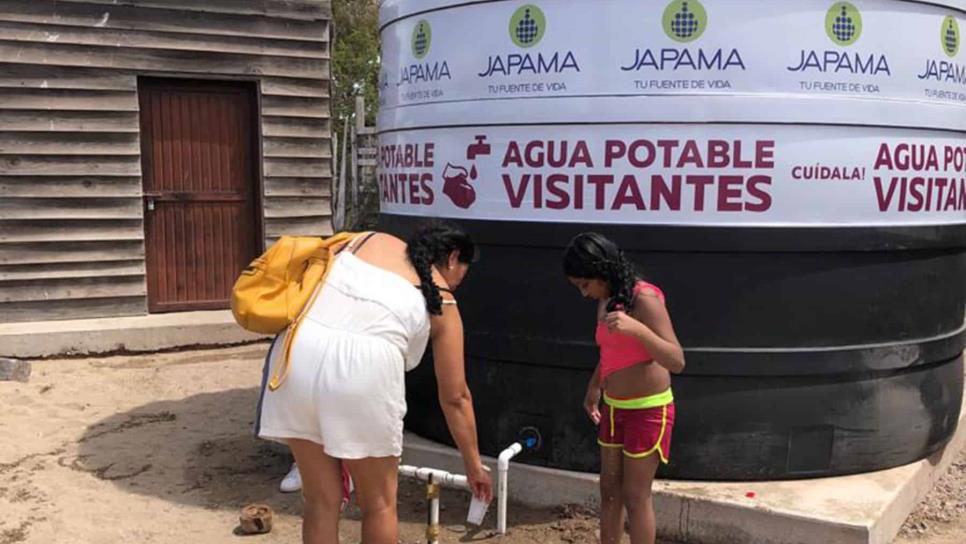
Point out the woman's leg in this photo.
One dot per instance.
(638, 479)
(611, 496)
(376, 481)
(322, 490)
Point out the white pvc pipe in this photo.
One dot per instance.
(503, 470)
(459, 481)
(434, 518)
(441, 477)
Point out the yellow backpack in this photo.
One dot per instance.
(276, 289)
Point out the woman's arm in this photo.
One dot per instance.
(454, 395)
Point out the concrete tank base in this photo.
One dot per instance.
(860, 509)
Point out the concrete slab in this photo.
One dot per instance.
(860, 509)
(126, 334)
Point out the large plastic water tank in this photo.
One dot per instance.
(790, 172)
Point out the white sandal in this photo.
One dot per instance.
(292, 481)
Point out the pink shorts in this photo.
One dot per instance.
(638, 432)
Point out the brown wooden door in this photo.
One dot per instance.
(198, 151)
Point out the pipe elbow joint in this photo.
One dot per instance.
(503, 461)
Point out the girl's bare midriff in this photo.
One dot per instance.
(640, 380)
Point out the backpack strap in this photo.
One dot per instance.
(365, 238)
(282, 371)
(351, 245)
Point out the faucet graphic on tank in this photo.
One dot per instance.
(478, 148)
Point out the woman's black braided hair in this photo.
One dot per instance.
(593, 256)
(432, 245)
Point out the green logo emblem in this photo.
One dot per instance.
(422, 38)
(685, 20)
(949, 36)
(527, 26)
(843, 23)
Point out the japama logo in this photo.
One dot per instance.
(949, 36)
(422, 38)
(685, 20)
(528, 25)
(422, 71)
(946, 71)
(843, 23)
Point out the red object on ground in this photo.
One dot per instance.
(346, 486)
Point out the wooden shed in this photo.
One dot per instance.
(150, 148)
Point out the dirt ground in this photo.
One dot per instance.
(157, 449)
(941, 517)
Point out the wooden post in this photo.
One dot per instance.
(342, 173)
(363, 157)
(338, 204)
(360, 115)
(355, 175)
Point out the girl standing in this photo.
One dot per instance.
(638, 353)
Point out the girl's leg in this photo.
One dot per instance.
(322, 490)
(638, 479)
(376, 482)
(611, 495)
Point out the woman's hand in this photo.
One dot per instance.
(480, 482)
(621, 323)
(455, 398)
(592, 404)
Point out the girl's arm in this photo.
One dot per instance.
(594, 387)
(651, 324)
(592, 398)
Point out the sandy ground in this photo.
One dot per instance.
(157, 449)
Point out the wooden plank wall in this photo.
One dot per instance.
(71, 213)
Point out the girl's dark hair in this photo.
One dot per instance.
(432, 245)
(593, 256)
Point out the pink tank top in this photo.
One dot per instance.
(619, 351)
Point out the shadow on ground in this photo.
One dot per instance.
(199, 451)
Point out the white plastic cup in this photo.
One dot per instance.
(477, 512)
